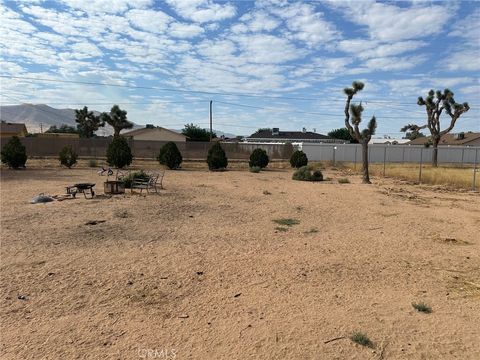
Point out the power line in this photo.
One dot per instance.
(251, 95)
(300, 111)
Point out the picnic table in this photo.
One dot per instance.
(85, 188)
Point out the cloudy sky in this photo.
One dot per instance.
(263, 63)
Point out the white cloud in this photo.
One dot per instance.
(394, 63)
(202, 11)
(387, 22)
(366, 49)
(268, 49)
(180, 30)
(256, 21)
(306, 23)
(102, 6)
(463, 60)
(149, 20)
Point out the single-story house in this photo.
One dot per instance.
(457, 139)
(8, 129)
(155, 133)
(277, 136)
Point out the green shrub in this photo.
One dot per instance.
(343, 181)
(422, 307)
(139, 175)
(119, 154)
(170, 156)
(361, 339)
(255, 169)
(68, 156)
(92, 163)
(259, 158)
(286, 221)
(14, 153)
(305, 173)
(216, 157)
(298, 159)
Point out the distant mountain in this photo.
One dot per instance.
(40, 116)
(34, 115)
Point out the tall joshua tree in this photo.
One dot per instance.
(353, 118)
(117, 118)
(87, 122)
(435, 103)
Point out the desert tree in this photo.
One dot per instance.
(117, 119)
(353, 118)
(435, 103)
(87, 122)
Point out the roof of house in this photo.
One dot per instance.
(449, 139)
(15, 128)
(148, 129)
(292, 135)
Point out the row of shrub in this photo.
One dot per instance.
(119, 155)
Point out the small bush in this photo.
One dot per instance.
(361, 339)
(255, 169)
(170, 156)
(298, 159)
(119, 153)
(305, 173)
(286, 222)
(422, 307)
(92, 163)
(14, 153)
(259, 158)
(216, 157)
(68, 156)
(343, 181)
(139, 175)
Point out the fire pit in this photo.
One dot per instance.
(114, 187)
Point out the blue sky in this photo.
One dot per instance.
(263, 63)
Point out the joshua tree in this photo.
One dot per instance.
(435, 103)
(353, 118)
(117, 118)
(87, 122)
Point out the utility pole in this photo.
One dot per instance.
(41, 128)
(211, 131)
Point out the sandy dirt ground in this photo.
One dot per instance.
(200, 271)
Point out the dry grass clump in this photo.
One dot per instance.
(457, 177)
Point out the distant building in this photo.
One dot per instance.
(58, 135)
(388, 141)
(155, 133)
(459, 139)
(277, 136)
(8, 129)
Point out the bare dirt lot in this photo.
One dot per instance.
(201, 271)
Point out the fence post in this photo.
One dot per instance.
(475, 169)
(355, 161)
(333, 148)
(384, 158)
(420, 170)
(463, 151)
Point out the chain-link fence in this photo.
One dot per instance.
(408, 161)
